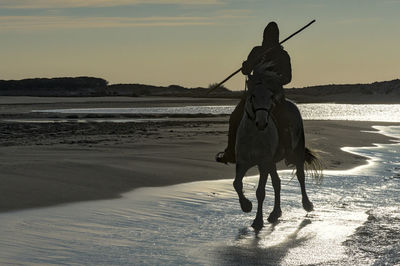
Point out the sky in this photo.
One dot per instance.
(195, 43)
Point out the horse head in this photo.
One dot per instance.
(259, 105)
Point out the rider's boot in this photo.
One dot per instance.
(227, 156)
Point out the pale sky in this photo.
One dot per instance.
(197, 42)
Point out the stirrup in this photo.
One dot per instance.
(222, 158)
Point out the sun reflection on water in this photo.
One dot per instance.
(354, 112)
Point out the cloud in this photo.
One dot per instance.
(96, 3)
(58, 22)
(358, 20)
(235, 12)
(392, 2)
(54, 21)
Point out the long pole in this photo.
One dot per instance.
(237, 71)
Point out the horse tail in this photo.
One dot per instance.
(313, 165)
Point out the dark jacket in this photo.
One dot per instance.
(278, 56)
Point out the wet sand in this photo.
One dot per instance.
(44, 164)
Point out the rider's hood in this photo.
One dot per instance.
(271, 35)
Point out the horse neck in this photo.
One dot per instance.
(248, 110)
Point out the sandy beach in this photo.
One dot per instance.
(45, 164)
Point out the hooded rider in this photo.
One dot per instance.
(271, 70)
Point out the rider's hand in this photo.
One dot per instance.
(246, 68)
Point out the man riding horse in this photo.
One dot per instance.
(270, 70)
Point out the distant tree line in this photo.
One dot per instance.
(384, 91)
(91, 86)
(67, 86)
(139, 90)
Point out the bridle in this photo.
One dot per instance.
(255, 110)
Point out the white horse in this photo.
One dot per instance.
(257, 144)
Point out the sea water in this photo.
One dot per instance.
(312, 111)
(356, 221)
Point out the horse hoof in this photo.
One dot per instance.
(273, 217)
(308, 206)
(257, 224)
(246, 205)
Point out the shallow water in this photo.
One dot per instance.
(95, 120)
(355, 112)
(201, 223)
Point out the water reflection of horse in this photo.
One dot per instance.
(257, 144)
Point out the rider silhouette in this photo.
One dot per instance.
(271, 70)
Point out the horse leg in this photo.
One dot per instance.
(276, 183)
(258, 222)
(245, 204)
(307, 204)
